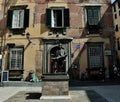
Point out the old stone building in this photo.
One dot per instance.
(116, 17)
(57, 37)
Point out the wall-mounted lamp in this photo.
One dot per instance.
(50, 33)
(28, 38)
(64, 33)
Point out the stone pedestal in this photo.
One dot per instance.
(55, 85)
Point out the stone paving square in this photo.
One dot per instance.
(75, 96)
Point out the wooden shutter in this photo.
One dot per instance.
(26, 18)
(66, 18)
(48, 17)
(9, 19)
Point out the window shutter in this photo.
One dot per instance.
(26, 18)
(66, 18)
(48, 17)
(85, 17)
(9, 18)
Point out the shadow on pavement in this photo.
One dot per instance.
(78, 83)
(33, 95)
(76, 96)
(94, 96)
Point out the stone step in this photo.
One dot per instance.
(20, 84)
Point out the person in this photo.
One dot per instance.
(115, 71)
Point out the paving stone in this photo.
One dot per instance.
(76, 96)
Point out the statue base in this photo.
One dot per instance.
(55, 85)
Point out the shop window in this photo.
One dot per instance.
(57, 17)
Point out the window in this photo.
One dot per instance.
(114, 8)
(17, 18)
(115, 16)
(92, 19)
(118, 44)
(116, 28)
(16, 59)
(118, 4)
(57, 17)
(95, 55)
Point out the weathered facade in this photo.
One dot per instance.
(116, 17)
(33, 31)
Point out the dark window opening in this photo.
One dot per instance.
(115, 16)
(57, 18)
(118, 44)
(57, 14)
(114, 8)
(118, 4)
(116, 28)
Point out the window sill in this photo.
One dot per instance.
(92, 35)
(15, 69)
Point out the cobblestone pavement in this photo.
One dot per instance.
(107, 93)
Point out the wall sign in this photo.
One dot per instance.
(78, 46)
(108, 52)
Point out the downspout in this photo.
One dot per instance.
(3, 37)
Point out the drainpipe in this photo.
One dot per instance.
(3, 27)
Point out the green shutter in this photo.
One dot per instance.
(26, 18)
(9, 18)
(66, 18)
(48, 17)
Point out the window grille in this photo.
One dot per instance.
(95, 55)
(16, 58)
